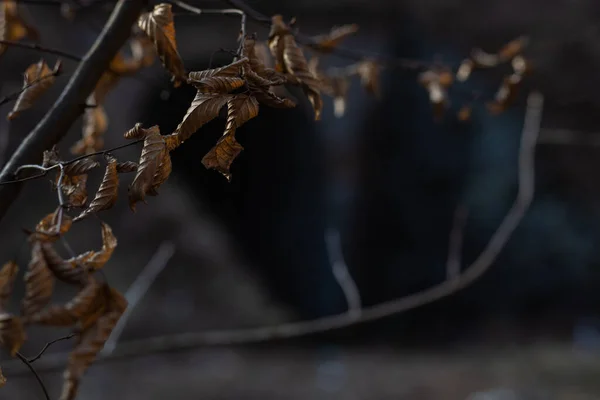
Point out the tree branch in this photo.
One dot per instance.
(41, 49)
(34, 372)
(55, 124)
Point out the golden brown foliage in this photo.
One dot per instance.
(48, 229)
(8, 275)
(12, 334)
(39, 282)
(107, 193)
(38, 78)
(13, 26)
(327, 43)
(94, 260)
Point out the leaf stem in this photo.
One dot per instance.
(34, 372)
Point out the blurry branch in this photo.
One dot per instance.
(569, 137)
(56, 123)
(138, 289)
(41, 49)
(455, 245)
(341, 272)
(526, 179)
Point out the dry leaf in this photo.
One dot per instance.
(47, 230)
(95, 124)
(368, 70)
(94, 260)
(61, 269)
(285, 49)
(12, 26)
(506, 94)
(464, 114)
(512, 48)
(107, 193)
(90, 344)
(137, 132)
(38, 78)
(74, 187)
(240, 109)
(150, 159)
(172, 141)
(327, 43)
(8, 274)
(2, 379)
(12, 334)
(159, 27)
(50, 157)
(162, 173)
(204, 108)
(39, 282)
(127, 166)
(80, 167)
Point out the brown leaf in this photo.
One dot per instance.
(38, 78)
(143, 51)
(506, 94)
(95, 124)
(126, 166)
(61, 269)
(229, 70)
(94, 260)
(107, 193)
(39, 282)
(137, 132)
(240, 109)
(512, 48)
(294, 62)
(90, 344)
(369, 71)
(162, 173)
(204, 108)
(8, 274)
(327, 43)
(12, 334)
(159, 27)
(152, 155)
(84, 306)
(74, 188)
(50, 157)
(464, 114)
(80, 167)
(172, 141)
(47, 230)
(2, 379)
(12, 26)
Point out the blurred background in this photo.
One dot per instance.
(385, 180)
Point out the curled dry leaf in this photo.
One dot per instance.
(107, 193)
(369, 71)
(90, 344)
(50, 157)
(162, 173)
(204, 108)
(39, 282)
(137, 132)
(8, 274)
(240, 109)
(12, 334)
(74, 187)
(160, 28)
(61, 269)
(150, 159)
(38, 78)
(80, 167)
(327, 43)
(95, 124)
(82, 306)
(12, 26)
(47, 230)
(126, 166)
(172, 141)
(94, 260)
(285, 50)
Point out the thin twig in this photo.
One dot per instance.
(47, 346)
(455, 244)
(13, 96)
(526, 179)
(34, 372)
(138, 289)
(340, 271)
(41, 49)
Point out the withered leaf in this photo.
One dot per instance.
(327, 43)
(137, 132)
(159, 27)
(107, 193)
(39, 282)
(74, 187)
(50, 157)
(240, 109)
(512, 48)
(126, 166)
(229, 70)
(337, 87)
(204, 108)
(83, 306)
(12, 334)
(506, 94)
(8, 274)
(94, 260)
(172, 141)
(286, 49)
(12, 26)
(95, 124)
(38, 78)
(152, 155)
(90, 344)
(162, 173)
(61, 269)
(80, 167)
(2, 379)
(369, 71)
(48, 230)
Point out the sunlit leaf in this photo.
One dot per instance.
(107, 193)
(38, 78)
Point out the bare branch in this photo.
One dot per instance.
(341, 272)
(41, 49)
(55, 124)
(34, 372)
(138, 289)
(47, 346)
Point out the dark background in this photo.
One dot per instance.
(388, 177)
